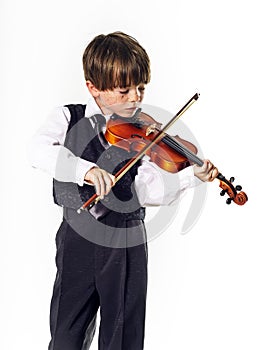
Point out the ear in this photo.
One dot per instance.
(92, 89)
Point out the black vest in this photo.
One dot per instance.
(83, 142)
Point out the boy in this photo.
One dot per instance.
(102, 253)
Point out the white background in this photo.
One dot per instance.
(205, 287)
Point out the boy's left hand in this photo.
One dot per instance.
(206, 172)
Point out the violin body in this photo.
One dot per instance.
(133, 134)
(170, 153)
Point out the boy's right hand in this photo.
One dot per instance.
(101, 179)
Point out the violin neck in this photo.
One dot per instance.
(178, 147)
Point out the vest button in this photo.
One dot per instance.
(107, 156)
(106, 199)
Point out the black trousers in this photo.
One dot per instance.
(92, 276)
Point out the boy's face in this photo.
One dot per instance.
(122, 101)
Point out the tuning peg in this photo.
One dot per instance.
(232, 179)
(223, 192)
(238, 187)
(229, 200)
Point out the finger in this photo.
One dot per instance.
(97, 184)
(108, 183)
(210, 166)
(212, 175)
(102, 184)
(113, 179)
(206, 165)
(215, 172)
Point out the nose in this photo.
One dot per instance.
(134, 95)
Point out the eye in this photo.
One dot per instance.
(124, 92)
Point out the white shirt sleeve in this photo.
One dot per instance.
(155, 187)
(46, 151)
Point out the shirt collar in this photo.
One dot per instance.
(92, 109)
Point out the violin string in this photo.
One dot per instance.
(181, 149)
(189, 154)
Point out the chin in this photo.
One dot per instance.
(127, 112)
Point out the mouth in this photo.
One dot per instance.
(131, 110)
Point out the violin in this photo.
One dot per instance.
(142, 134)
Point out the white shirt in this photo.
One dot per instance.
(153, 185)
